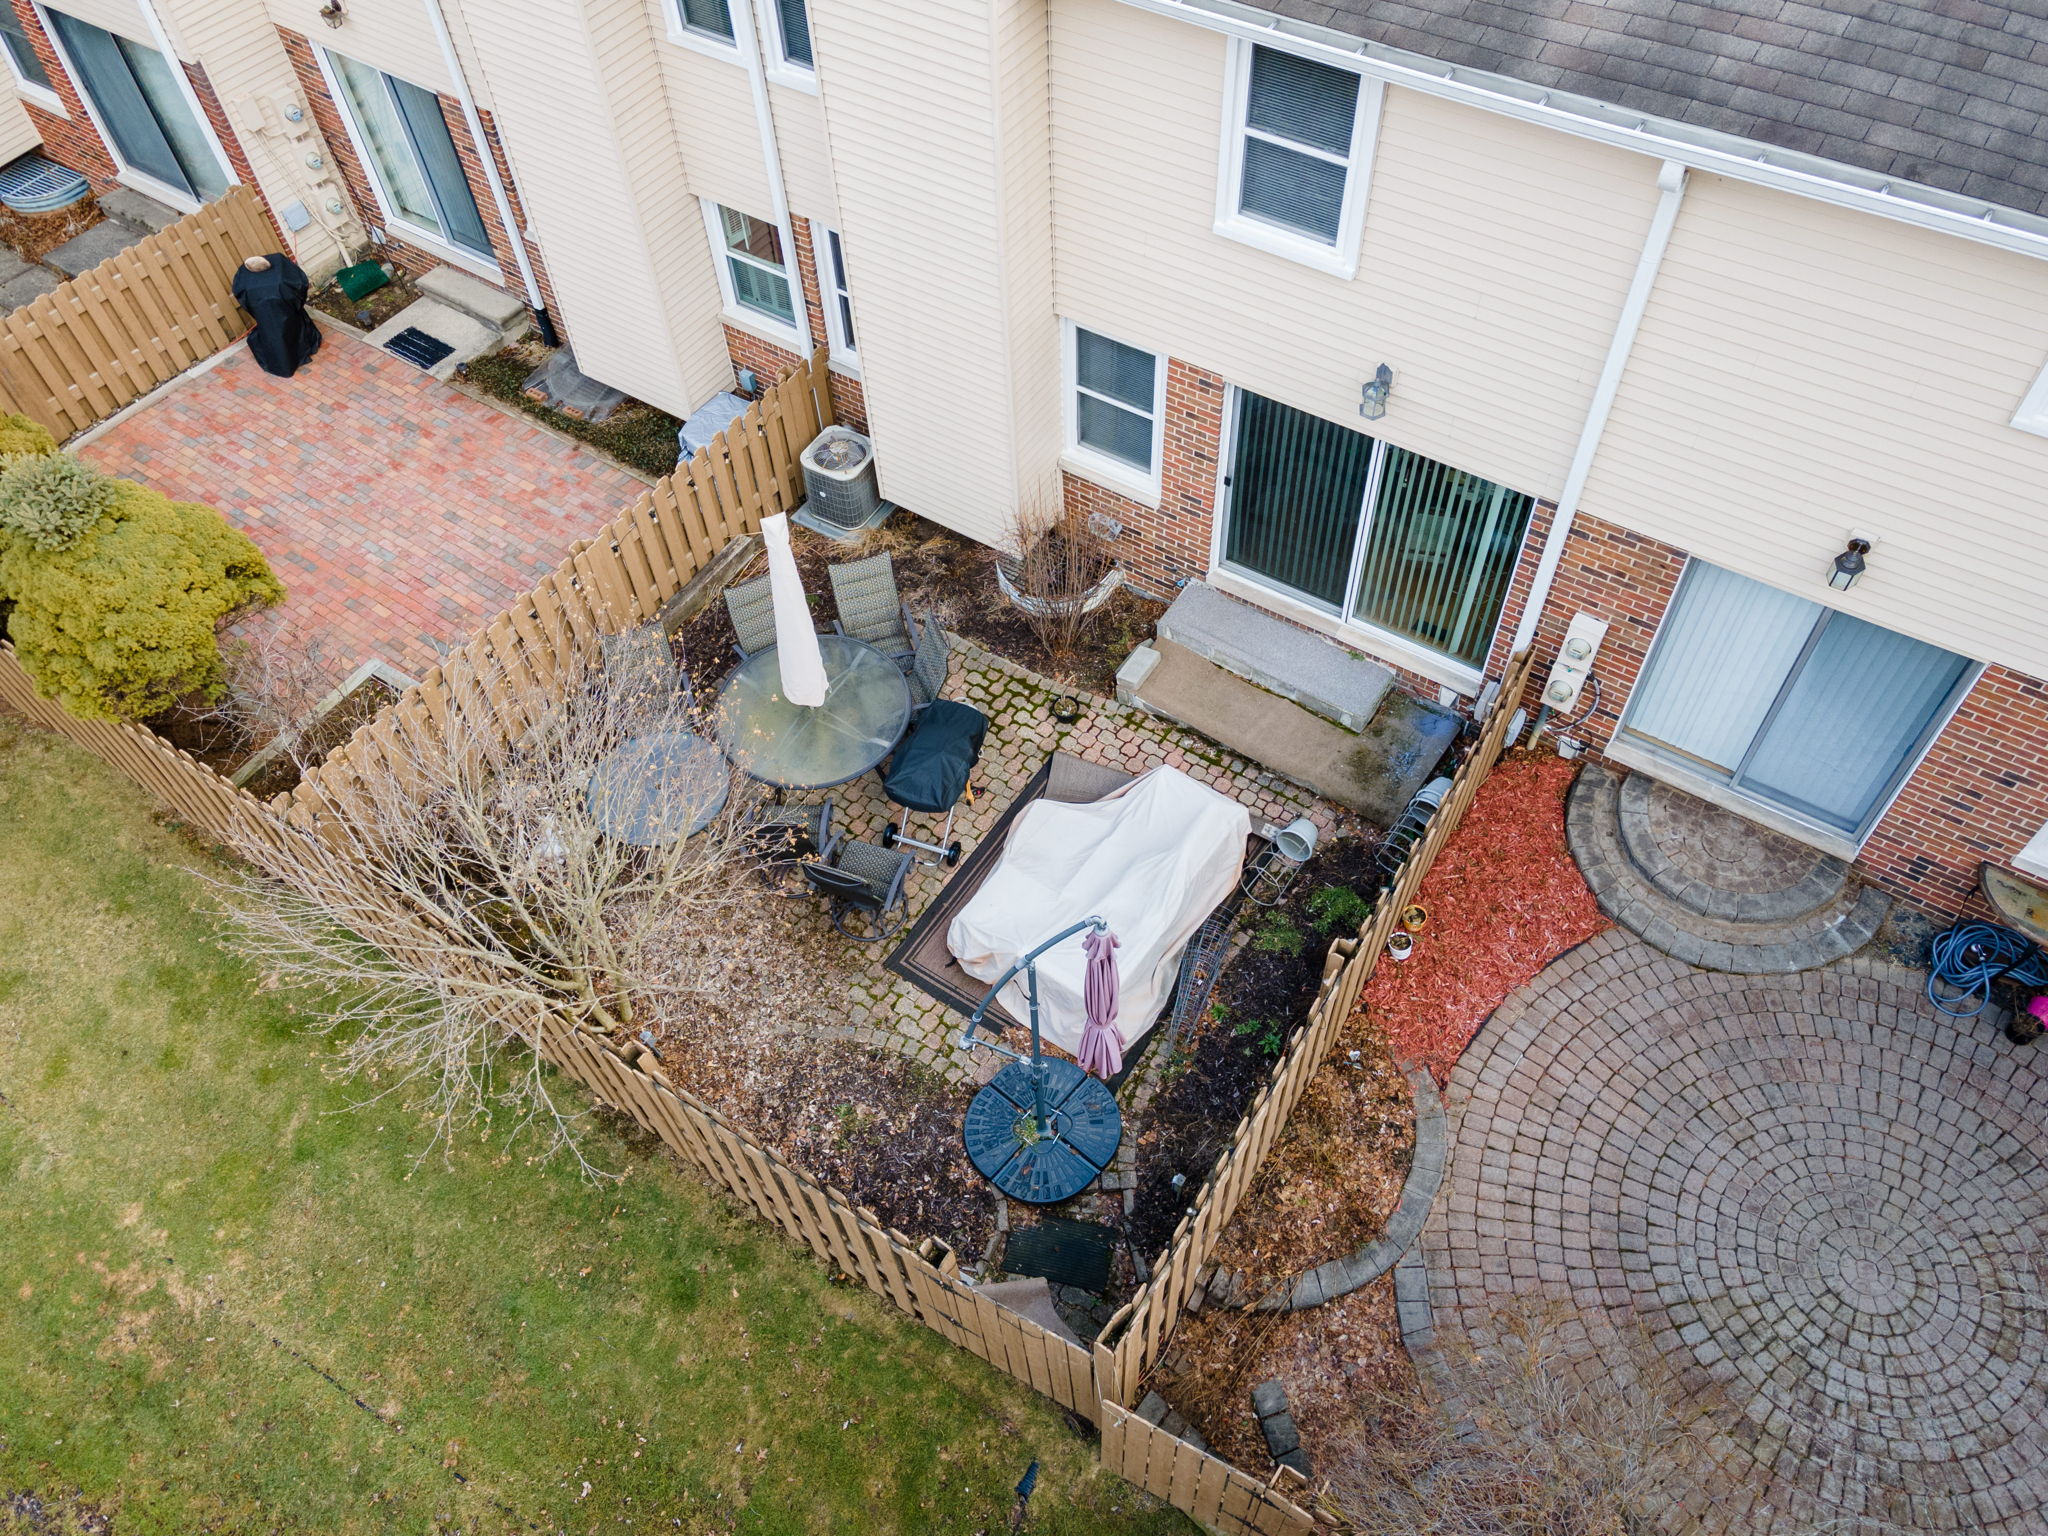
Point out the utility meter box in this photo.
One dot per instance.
(1574, 663)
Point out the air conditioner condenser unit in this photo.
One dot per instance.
(841, 495)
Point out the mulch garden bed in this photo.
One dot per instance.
(223, 746)
(636, 434)
(1504, 898)
(373, 309)
(1262, 997)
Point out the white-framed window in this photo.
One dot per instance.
(793, 33)
(2032, 416)
(1115, 402)
(1297, 153)
(708, 19)
(144, 107)
(401, 135)
(29, 75)
(753, 271)
(838, 297)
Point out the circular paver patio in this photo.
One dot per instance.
(1821, 1196)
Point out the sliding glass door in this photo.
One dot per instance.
(1376, 535)
(138, 100)
(411, 154)
(1799, 706)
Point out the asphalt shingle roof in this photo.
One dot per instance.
(1949, 93)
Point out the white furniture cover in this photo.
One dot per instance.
(1154, 859)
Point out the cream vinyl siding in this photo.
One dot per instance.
(585, 121)
(121, 17)
(392, 35)
(712, 107)
(1805, 370)
(1492, 271)
(936, 119)
(806, 152)
(17, 133)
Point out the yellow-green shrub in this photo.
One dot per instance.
(120, 625)
(52, 499)
(20, 434)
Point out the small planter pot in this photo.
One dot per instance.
(1400, 944)
(1413, 918)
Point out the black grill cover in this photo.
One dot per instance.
(929, 771)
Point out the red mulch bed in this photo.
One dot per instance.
(1504, 900)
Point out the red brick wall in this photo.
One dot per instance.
(217, 118)
(399, 252)
(770, 362)
(70, 141)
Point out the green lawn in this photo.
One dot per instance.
(229, 1302)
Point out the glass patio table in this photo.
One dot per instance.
(656, 789)
(791, 746)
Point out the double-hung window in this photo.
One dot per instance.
(839, 301)
(1297, 152)
(752, 267)
(707, 19)
(1115, 401)
(21, 54)
(399, 129)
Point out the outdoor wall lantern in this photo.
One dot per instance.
(332, 13)
(1372, 396)
(1849, 564)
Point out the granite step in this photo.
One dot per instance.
(1318, 674)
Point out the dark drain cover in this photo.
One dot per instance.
(417, 347)
(1075, 1253)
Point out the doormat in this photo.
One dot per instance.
(417, 347)
(1075, 1253)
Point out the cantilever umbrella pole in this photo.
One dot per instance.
(1030, 969)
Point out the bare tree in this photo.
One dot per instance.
(1532, 1431)
(465, 895)
(1053, 562)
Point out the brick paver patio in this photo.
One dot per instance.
(399, 513)
(1823, 1197)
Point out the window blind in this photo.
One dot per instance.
(796, 31)
(711, 16)
(1299, 117)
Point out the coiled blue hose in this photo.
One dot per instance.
(1969, 957)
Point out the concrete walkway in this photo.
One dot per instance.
(399, 513)
(1824, 1198)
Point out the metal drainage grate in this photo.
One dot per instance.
(34, 184)
(1075, 1253)
(417, 347)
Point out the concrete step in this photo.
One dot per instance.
(469, 336)
(1318, 674)
(491, 305)
(1375, 772)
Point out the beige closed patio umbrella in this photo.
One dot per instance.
(796, 637)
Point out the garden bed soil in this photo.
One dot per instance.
(1262, 997)
(222, 745)
(373, 309)
(1504, 897)
(636, 434)
(940, 572)
(32, 236)
(1339, 1362)
(1336, 1173)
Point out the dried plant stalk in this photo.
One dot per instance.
(1053, 562)
(455, 902)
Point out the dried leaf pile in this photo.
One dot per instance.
(1335, 1174)
(32, 236)
(1504, 900)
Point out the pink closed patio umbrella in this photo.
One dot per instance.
(1102, 1043)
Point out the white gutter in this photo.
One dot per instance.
(1697, 149)
(1670, 193)
(514, 235)
(742, 12)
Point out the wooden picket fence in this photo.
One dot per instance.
(622, 578)
(139, 319)
(1141, 1330)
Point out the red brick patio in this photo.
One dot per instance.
(399, 513)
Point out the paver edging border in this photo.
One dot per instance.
(1359, 1268)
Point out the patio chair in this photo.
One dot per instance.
(642, 679)
(928, 664)
(782, 838)
(870, 609)
(863, 878)
(753, 616)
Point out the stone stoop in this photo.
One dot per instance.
(1300, 705)
(465, 312)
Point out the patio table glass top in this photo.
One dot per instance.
(658, 788)
(790, 746)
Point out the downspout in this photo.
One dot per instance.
(1670, 193)
(514, 235)
(771, 158)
